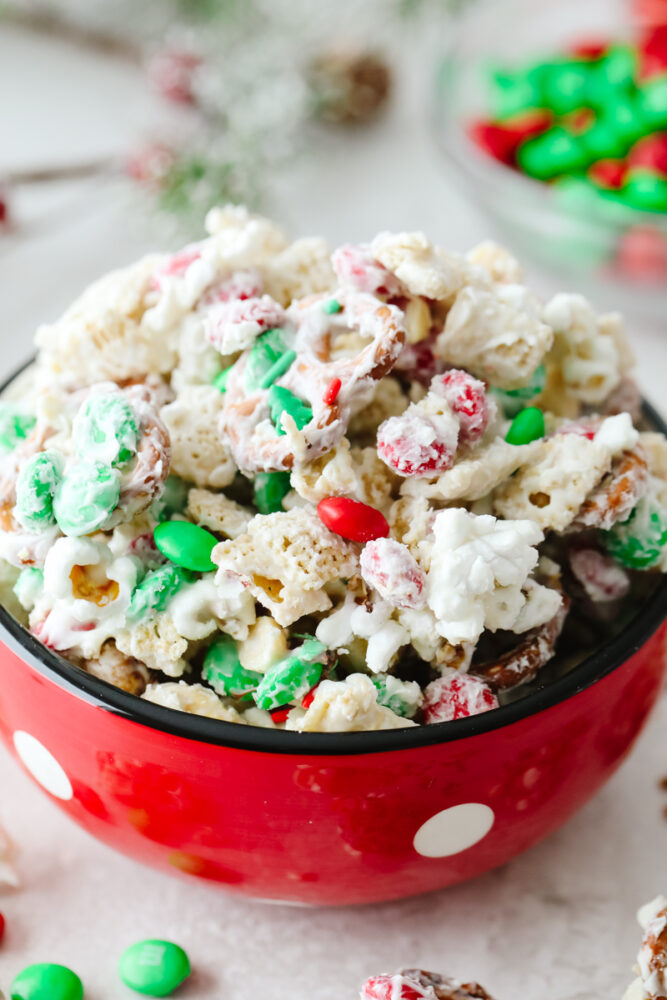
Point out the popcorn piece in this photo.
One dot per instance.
(476, 475)
(388, 567)
(374, 624)
(200, 608)
(478, 570)
(157, 643)
(122, 671)
(496, 334)
(192, 698)
(497, 261)
(198, 361)
(346, 707)
(388, 400)
(422, 441)
(655, 448)
(103, 335)
(422, 268)
(345, 471)
(566, 468)
(264, 646)
(586, 352)
(456, 696)
(218, 513)
(418, 320)
(198, 452)
(285, 560)
(411, 521)
(302, 269)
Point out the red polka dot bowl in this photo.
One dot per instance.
(326, 818)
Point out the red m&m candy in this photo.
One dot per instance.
(352, 519)
(502, 139)
(2, 927)
(650, 153)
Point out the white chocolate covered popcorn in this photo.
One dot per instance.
(267, 484)
(496, 334)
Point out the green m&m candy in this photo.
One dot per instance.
(565, 85)
(614, 72)
(653, 103)
(554, 152)
(640, 541)
(281, 401)
(220, 380)
(186, 544)
(45, 981)
(14, 427)
(513, 400)
(106, 429)
(156, 590)
(293, 677)
(512, 92)
(331, 306)
(223, 670)
(527, 426)
(646, 191)
(602, 141)
(35, 489)
(86, 497)
(266, 350)
(402, 697)
(153, 967)
(270, 488)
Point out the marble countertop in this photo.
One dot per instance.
(558, 922)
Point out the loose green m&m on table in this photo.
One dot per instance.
(86, 497)
(35, 489)
(527, 426)
(106, 429)
(45, 981)
(222, 669)
(186, 544)
(291, 678)
(153, 967)
(270, 488)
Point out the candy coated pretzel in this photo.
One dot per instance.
(521, 664)
(652, 957)
(309, 378)
(617, 494)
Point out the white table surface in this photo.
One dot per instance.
(557, 923)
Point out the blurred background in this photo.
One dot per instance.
(540, 123)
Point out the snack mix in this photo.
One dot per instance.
(379, 488)
(651, 967)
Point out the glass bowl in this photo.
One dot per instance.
(613, 256)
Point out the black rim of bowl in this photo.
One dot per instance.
(254, 738)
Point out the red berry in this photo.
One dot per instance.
(467, 397)
(4, 211)
(332, 391)
(396, 987)
(393, 571)
(608, 174)
(650, 153)
(502, 139)
(457, 696)
(150, 164)
(352, 519)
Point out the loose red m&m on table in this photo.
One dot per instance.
(352, 519)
